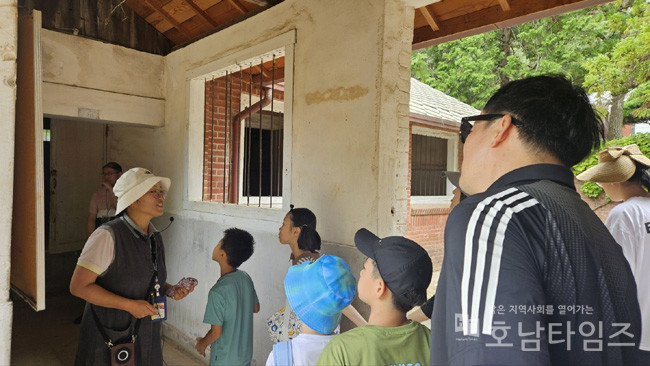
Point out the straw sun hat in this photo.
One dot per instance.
(615, 164)
(134, 184)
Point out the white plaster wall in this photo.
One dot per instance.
(349, 151)
(90, 80)
(8, 44)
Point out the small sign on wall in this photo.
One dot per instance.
(88, 113)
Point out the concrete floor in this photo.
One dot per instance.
(50, 337)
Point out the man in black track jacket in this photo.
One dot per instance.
(530, 274)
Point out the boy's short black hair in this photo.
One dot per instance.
(238, 245)
(556, 116)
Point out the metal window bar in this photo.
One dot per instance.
(229, 145)
(211, 137)
(249, 128)
(235, 197)
(259, 162)
(205, 140)
(225, 145)
(271, 144)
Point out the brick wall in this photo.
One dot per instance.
(220, 144)
(220, 103)
(427, 228)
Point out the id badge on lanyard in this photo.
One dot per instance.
(159, 302)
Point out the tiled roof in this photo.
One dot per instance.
(430, 102)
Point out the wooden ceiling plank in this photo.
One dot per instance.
(159, 22)
(493, 18)
(505, 5)
(169, 18)
(266, 81)
(258, 2)
(450, 9)
(201, 13)
(237, 5)
(431, 20)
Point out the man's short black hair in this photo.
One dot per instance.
(113, 165)
(238, 245)
(556, 116)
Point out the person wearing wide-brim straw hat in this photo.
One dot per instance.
(624, 174)
(121, 268)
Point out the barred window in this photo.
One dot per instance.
(244, 132)
(428, 163)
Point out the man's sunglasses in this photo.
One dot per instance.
(466, 123)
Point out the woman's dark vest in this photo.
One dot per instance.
(129, 275)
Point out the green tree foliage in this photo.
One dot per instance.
(591, 189)
(626, 67)
(464, 68)
(597, 47)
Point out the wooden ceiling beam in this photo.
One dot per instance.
(431, 20)
(169, 18)
(505, 5)
(494, 17)
(237, 5)
(201, 13)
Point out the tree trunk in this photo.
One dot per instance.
(615, 126)
(506, 35)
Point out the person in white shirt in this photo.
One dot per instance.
(624, 174)
(317, 292)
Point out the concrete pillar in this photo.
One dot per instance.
(394, 85)
(8, 44)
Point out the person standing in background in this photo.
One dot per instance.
(624, 174)
(103, 202)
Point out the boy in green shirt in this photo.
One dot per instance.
(393, 280)
(231, 304)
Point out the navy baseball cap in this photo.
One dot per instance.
(402, 263)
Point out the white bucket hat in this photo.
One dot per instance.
(133, 184)
(615, 164)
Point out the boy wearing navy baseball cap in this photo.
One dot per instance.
(394, 279)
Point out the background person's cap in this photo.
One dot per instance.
(615, 164)
(133, 184)
(403, 264)
(319, 291)
(453, 177)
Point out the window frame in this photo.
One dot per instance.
(195, 100)
(452, 165)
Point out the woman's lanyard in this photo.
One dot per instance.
(156, 285)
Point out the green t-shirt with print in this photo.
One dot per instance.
(375, 345)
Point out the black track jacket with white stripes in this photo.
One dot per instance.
(531, 276)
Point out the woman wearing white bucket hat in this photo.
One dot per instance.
(119, 272)
(624, 174)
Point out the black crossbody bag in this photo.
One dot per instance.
(123, 350)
